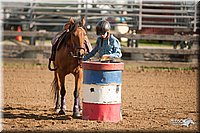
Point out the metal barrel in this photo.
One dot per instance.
(102, 91)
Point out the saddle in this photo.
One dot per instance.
(59, 38)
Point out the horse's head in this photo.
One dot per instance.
(77, 34)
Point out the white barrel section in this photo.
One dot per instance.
(102, 94)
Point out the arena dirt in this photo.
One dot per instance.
(152, 99)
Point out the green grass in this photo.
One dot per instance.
(166, 68)
(143, 43)
(151, 43)
(132, 66)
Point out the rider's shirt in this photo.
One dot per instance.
(110, 46)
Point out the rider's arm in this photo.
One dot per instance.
(116, 53)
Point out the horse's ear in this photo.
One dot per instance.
(66, 26)
(83, 21)
(71, 20)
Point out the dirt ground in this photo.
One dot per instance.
(152, 100)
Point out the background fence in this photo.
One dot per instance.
(142, 16)
(133, 19)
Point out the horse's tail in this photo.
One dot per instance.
(55, 88)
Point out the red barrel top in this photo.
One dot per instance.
(87, 65)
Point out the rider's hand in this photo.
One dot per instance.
(105, 57)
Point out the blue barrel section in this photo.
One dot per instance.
(102, 77)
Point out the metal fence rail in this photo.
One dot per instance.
(137, 14)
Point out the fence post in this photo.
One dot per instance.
(33, 38)
(195, 15)
(140, 16)
(31, 26)
(86, 12)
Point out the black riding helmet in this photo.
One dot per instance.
(102, 27)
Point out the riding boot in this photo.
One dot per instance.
(53, 53)
(52, 58)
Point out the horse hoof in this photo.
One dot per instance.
(76, 115)
(61, 112)
(56, 110)
(81, 111)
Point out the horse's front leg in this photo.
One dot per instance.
(62, 94)
(78, 81)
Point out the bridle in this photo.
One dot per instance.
(75, 51)
(77, 55)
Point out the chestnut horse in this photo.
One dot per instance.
(68, 60)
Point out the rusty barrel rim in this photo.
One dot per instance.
(102, 66)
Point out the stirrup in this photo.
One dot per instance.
(49, 65)
(51, 59)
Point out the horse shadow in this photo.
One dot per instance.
(7, 113)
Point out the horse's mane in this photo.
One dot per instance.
(66, 36)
